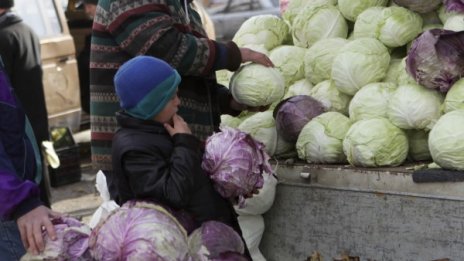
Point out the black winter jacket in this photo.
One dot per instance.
(148, 164)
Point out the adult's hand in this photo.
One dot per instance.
(178, 126)
(249, 55)
(31, 226)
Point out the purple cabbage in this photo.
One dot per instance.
(235, 163)
(436, 59)
(71, 243)
(216, 241)
(139, 231)
(454, 6)
(294, 113)
(419, 6)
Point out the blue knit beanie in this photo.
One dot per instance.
(145, 85)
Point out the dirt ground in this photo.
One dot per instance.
(79, 199)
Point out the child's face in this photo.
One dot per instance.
(169, 110)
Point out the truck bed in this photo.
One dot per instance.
(370, 213)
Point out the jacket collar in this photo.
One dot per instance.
(9, 18)
(127, 121)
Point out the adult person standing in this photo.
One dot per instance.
(20, 51)
(23, 217)
(172, 31)
(83, 59)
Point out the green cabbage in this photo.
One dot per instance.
(230, 121)
(295, 6)
(418, 145)
(319, 58)
(256, 85)
(289, 61)
(403, 76)
(454, 99)
(371, 101)
(333, 100)
(351, 9)
(393, 70)
(320, 140)
(301, 87)
(375, 143)
(268, 30)
(393, 26)
(446, 141)
(454, 23)
(414, 107)
(358, 63)
(261, 126)
(318, 22)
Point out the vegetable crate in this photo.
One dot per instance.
(68, 152)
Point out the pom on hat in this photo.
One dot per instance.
(145, 85)
(6, 3)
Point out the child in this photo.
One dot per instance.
(155, 156)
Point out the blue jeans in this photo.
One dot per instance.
(11, 246)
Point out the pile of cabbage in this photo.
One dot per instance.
(382, 81)
(140, 230)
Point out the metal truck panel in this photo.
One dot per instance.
(373, 214)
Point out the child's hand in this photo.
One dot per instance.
(178, 126)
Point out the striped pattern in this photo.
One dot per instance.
(126, 28)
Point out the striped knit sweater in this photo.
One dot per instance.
(123, 29)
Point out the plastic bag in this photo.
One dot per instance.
(252, 231)
(107, 206)
(259, 203)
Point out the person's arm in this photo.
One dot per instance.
(169, 180)
(20, 200)
(153, 31)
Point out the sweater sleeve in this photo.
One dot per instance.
(17, 197)
(155, 29)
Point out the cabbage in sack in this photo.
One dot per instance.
(213, 241)
(292, 114)
(446, 141)
(235, 163)
(375, 143)
(256, 85)
(412, 106)
(252, 227)
(139, 231)
(358, 63)
(71, 244)
(435, 59)
(321, 140)
(261, 202)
